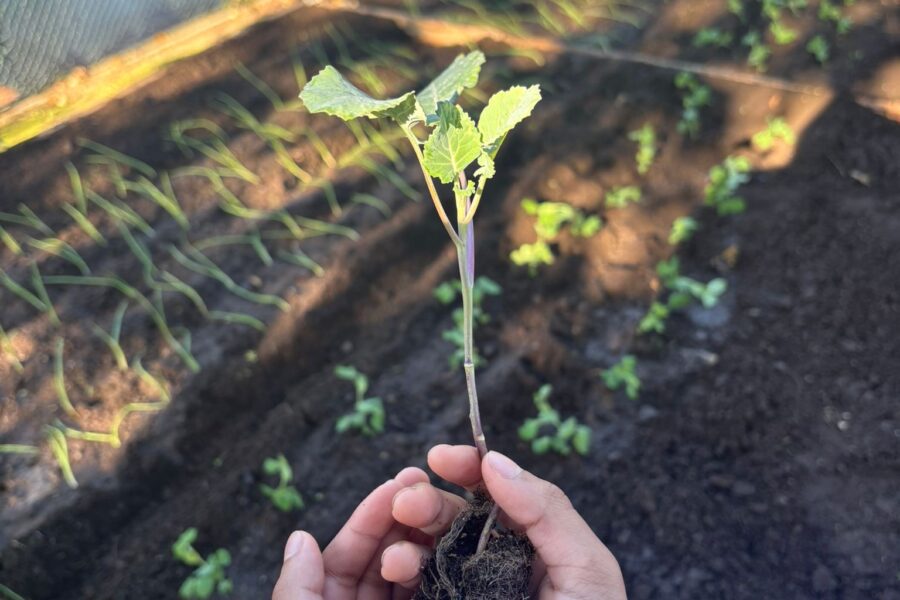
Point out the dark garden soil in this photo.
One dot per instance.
(761, 460)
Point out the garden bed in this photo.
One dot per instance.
(760, 459)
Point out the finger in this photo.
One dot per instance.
(303, 571)
(402, 563)
(372, 586)
(426, 508)
(573, 555)
(456, 464)
(351, 551)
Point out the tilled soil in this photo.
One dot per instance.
(760, 460)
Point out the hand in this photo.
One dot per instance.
(379, 552)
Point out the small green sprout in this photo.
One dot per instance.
(284, 496)
(621, 375)
(819, 48)
(831, 12)
(759, 52)
(532, 256)
(548, 432)
(736, 7)
(622, 196)
(694, 96)
(776, 129)
(552, 217)
(685, 290)
(209, 577)
(723, 181)
(646, 141)
(712, 36)
(655, 319)
(368, 413)
(446, 293)
(683, 229)
(781, 33)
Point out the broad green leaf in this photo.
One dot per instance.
(461, 74)
(504, 111)
(449, 151)
(330, 93)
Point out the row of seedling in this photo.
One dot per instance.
(766, 23)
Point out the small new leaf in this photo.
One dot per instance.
(504, 111)
(330, 93)
(449, 150)
(460, 75)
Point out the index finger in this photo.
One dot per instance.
(460, 465)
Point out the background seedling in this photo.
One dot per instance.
(694, 96)
(776, 129)
(368, 413)
(59, 379)
(622, 375)
(622, 196)
(111, 339)
(283, 496)
(209, 577)
(56, 440)
(548, 432)
(683, 229)
(646, 141)
(655, 319)
(722, 183)
(818, 46)
(759, 54)
(446, 293)
(551, 218)
(712, 36)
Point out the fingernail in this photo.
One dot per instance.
(397, 495)
(503, 466)
(294, 544)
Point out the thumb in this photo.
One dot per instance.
(303, 572)
(574, 556)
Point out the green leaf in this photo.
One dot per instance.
(529, 430)
(504, 111)
(461, 74)
(582, 440)
(330, 93)
(450, 150)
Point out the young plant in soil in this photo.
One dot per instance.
(646, 141)
(548, 431)
(209, 577)
(474, 559)
(622, 375)
(368, 413)
(694, 96)
(446, 293)
(551, 218)
(776, 129)
(283, 496)
(723, 181)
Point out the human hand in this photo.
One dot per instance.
(378, 554)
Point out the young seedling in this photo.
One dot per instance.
(759, 51)
(683, 228)
(457, 151)
(622, 196)
(446, 293)
(284, 496)
(694, 96)
(368, 413)
(551, 218)
(622, 375)
(8, 349)
(655, 319)
(776, 129)
(59, 380)
(712, 36)
(56, 440)
(111, 338)
(722, 183)
(781, 33)
(831, 12)
(209, 577)
(646, 141)
(548, 431)
(819, 48)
